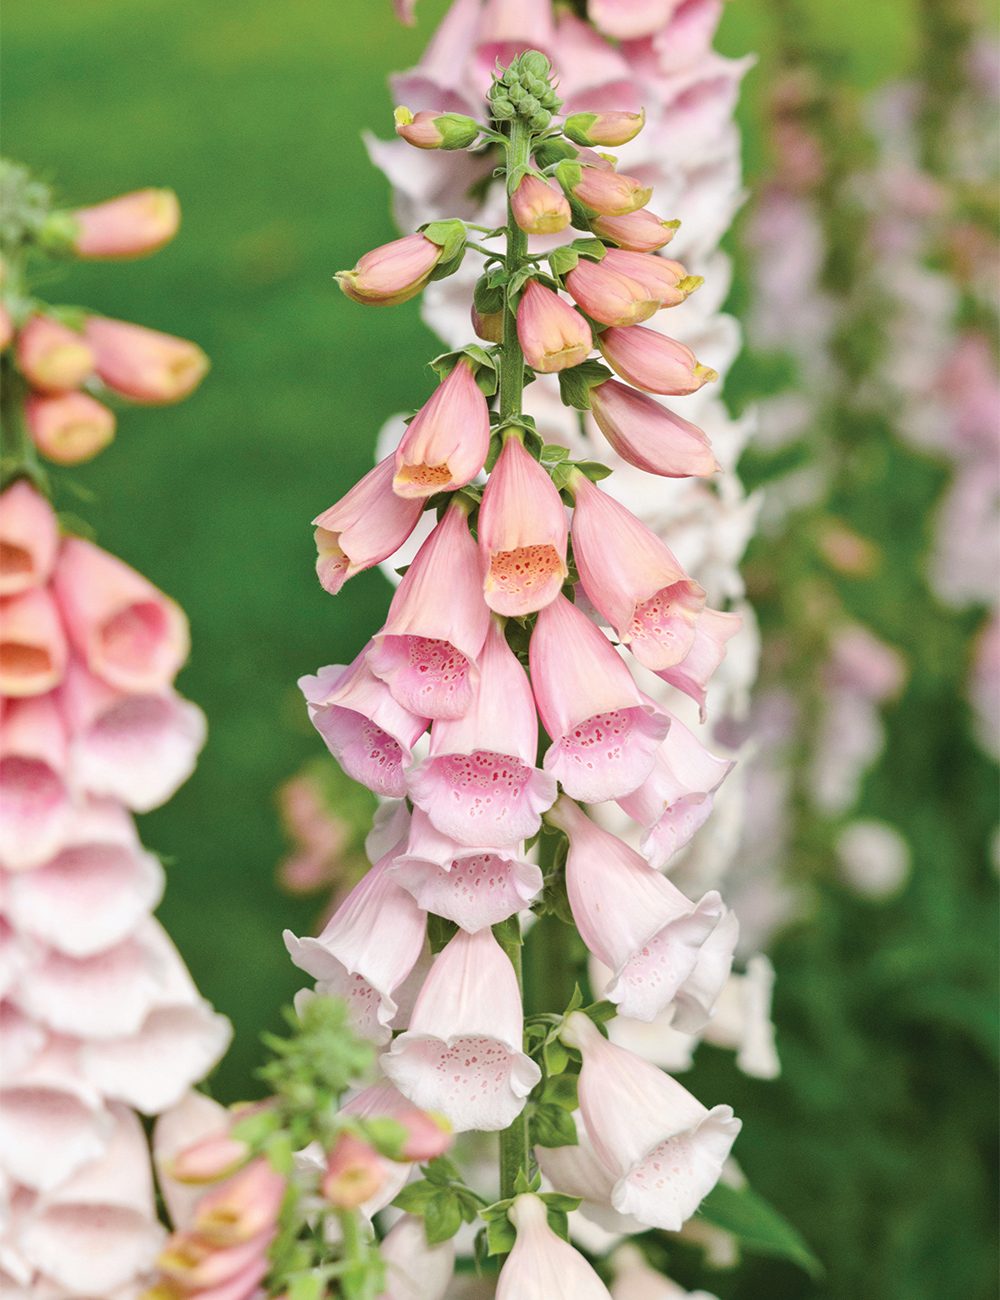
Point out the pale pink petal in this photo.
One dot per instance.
(445, 444)
(17, 955)
(593, 76)
(508, 28)
(439, 80)
(20, 1040)
(33, 650)
(364, 528)
(712, 630)
(626, 20)
(194, 1117)
(413, 1269)
(29, 539)
(577, 1171)
(695, 1000)
(541, 1266)
(36, 808)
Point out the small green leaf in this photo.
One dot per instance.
(593, 469)
(443, 1171)
(561, 1090)
(563, 259)
(509, 931)
(415, 1197)
(592, 249)
(278, 1149)
(439, 931)
(758, 1226)
(601, 1012)
(556, 1058)
(559, 1223)
(551, 1126)
(386, 1135)
(500, 1235)
(576, 382)
(560, 1202)
(448, 235)
(488, 298)
(521, 1184)
(442, 1218)
(575, 1002)
(552, 453)
(306, 1286)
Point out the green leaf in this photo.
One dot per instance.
(278, 1149)
(576, 382)
(415, 1197)
(563, 259)
(556, 1058)
(592, 249)
(487, 297)
(442, 1218)
(560, 1202)
(601, 1012)
(552, 453)
(443, 1171)
(448, 235)
(386, 1135)
(306, 1286)
(500, 1235)
(551, 1126)
(439, 931)
(758, 1226)
(559, 1223)
(561, 1090)
(484, 366)
(508, 931)
(595, 470)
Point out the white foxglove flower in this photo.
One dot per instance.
(541, 1266)
(636, 1280)
(413, 1269)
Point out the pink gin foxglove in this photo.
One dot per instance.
(601, 190)
(29, 539)
(33, 650)
(393, 273)
(604, 130)
(364, 528)
(36, 807)
(68, 428)
(552, 335)
(640, 232)
(610, 295)
(541, 1266)
(446, 442)
(538, 208)
(51, 356)
(708, 649)
(694, 1001)
(661, 277)
(144, 364)
(130, 226)
(653, 362)
(647, 435)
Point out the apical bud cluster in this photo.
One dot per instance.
(523, 90)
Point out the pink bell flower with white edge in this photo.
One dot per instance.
(604, 730)
(479, 784)
(522, 533)
(36, 807)
(462, 1054)
(665, 1149)
(541, 1266)
(364, 528)
(663, 279)
(552, 335)
(474, 887)
(630, 917)
(428, 651)
(33, 650)
(647, 435)
(610, 295)
(143, 364)
(577, 1171)
(708, 649)
(366, 729)
(653, 362)
(676, 798)
(639, 232)
(446, 442)
(694, 1001)
(29, 539)
(366, 950)
(130, 226)
(632, 578)
(603, 130)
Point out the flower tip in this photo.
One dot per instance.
(705, 374)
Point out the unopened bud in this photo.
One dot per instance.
(638, 232)
(488, 326)
(214, 1157)
(51, 356)
(392, 273)
(552, 335)
(429, 129)
(241, 1208)
(354, 1173)
(428, 1134)
(68, 428)
(538, 208)
(130, 226)
(143, 364)
(604, 128)
(602, 190)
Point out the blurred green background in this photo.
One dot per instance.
(877, 1139)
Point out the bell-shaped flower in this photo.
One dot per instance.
(647, 435)
(479, 784)
(427, 1136)
(367, 731)
(522, 534)
(541, 1266)
(577, 1171)
(193, 1120)
(708, 649)
(36, 807)
(539, 208)
(51, 356)
(415, 1270)
(144, 364)
(632, 578)
(428, 651)
(385, 1099)
(604, 730)
(33, 650)
(629, 20)
(742, 1020)
(634, 1279)
(353, 1173)
(665, 1149)
(364, 528)
(209, 1159)
(126, 631)
(663, 279)
(653, 362)
(474, 887)
(29, 539)
(462, 1054)
(392, 273)
(610, 295)
(130, 226)
(68, 428)
(695, 1000)
(676, 798)
(191, 1265)
(366, 950)
(601, 190)
(639, 232)
(630, 917)
(446, 442)
(552, 335)
(245, 1205)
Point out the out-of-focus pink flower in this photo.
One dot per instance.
(319, 835)
(647, 435)
(428, 650)
(539, 208)
(392, 273)
(51, 356)
(442, 76)
(634, 1279)
(863, 663)
(68, 428)
(29, 539)
(608, 295)
(129, 226)
(641, 231)
(364, 528)
(35, 804)
(508, 28)
(603, 130)
(541, 1266)
(601, 191)
(604, 730)
(353, 1173)
(144, 364)
(244, 1206)
(742, 1020)
(462, 1054)
(33, 650)
(126, 631)
(653, 362)
(427, 1135)
(627, 20)
(210, 1158)
(708, 649)
(661, 277)
(445, 444)
(413, 1269)
(552, 335)
(220, 1273)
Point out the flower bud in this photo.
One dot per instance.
(489, 326)
(429, 129)
(610, 295)
(653, 362)
(609, 129)
(242, 1207)
(600, 190)
(130, 226)
(214, 1157)
(143, 364)
(69, 428)
(662, 277)
(6, 327)
(392, 273)
(51, 356)
(353, 1173)
(538, 208)
(640, 232)
(428, 1134)
(552, 335)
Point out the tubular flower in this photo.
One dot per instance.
(446, 443)
(428, 651)
(129, 226)
(664, 1148)
(632, 578)
(244, 1206)
(462, 1053)
(664, 279)
(539, 208)
(427, 1135)
(33, 650)
(392, 273)
(364, 528)
(353, 1173)
(694, 1001)
(640, 232)
(29, 539)
(68, 428)
(35, 800)
(601, 191)
(630, 917)
(415, 1270)
(479, 784)
(522, 534)
(629, 20)
(552, 335)
(711, 632)
(647, 435)
(604, 130)
(604, 730)
(653, 362)
(541, 1266)
(51, 356)
(609, 295)
(143, 364)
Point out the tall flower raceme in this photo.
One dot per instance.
(99, 1017)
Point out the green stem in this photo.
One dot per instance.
(18, 458)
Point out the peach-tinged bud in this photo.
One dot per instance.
(604, 129)
(640, 232)
(662, 278)
(647, 435)
(33, 649)
(488, 326)
(51, 356)
(653, 362)
(69, 428)
(353, 1173)
(130, 226)
(29, 539)
(609, 295)
(392, 273)
(446, 443)
(143, 364)
(6, 327)
(538, 208)
(602, 190)
(552, 335)
(430, 129)
(246, 1205)
(197, 1265)
(214, 1157)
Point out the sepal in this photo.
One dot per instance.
(575, 384)
(484, 366)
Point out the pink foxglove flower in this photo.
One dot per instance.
(242, 1207)
(68, 428)
(432, 130)
(610, 295)
(144, 364)
(539, 208)
(541, 1266)
(214, 1273)
(428, 651)
(364, 528)
(695, 1000)
(577, 1171)
(33, 651)
(129, 226)
(676, 798)
(630, 917)
(741, 1020)
(367, 949)
(384, 1098)
(603, 130)
(446, 442)
(628, 20)
(522, 534)
(632, 578)
(427, 1136)
(474, 887)
(604, 730)
(462, 1053)
(51, 356)
(600, 190)
(353, 1173)
(479, 785)
(392, 273)
(641, 231)
(508, 28)
(665, 1149)
(653, 362)
(647, 435)
(29, 539)
(634, 1279)
(36, 808)
(708, 649)
(367, 731)
(413, 1269)
(552, 335)
(661, 277)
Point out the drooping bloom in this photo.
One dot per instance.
(462, 1053)
(364, 528)
(541, 1266)
(29, 539)
(577, 1171)
(632, 578)
(641, 231)
(539, 208)
(522, 534)
(392, 273)
(244, 1206)
(603, 130)
(604, 730)
(661, 277)
(653, 362)
(428, 651)
(35, 802)
(552, 335)
(68, 428)
(144, 364)
(129, 226)
(741, 1020)
(635, 1280)
(695, 1001)
(427, 1135)
(33, 650)
(630, 917)
(601, 190)
(446, 442)
(479, 785)
(413, 1269)
(51, 356)
(708, 649)
(665, 1149)
(647, 435)
(610, 295)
